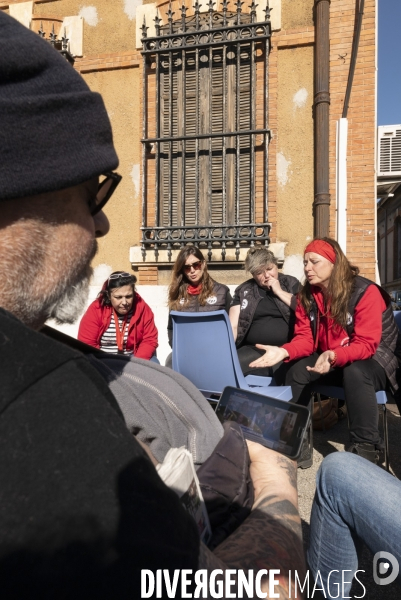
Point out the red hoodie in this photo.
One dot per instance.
(142, 332)
(364, 340)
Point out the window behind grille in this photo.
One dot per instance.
(212, 180)
(209, 154)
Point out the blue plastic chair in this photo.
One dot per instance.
(204, 351)
(338, 392)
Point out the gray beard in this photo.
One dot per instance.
(64, 302)
(71, 302)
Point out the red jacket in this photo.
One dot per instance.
(365, 338)
(142, 332)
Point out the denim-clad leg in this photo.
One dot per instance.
(355, 502)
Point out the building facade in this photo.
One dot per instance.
(215, 113)
(389, 206)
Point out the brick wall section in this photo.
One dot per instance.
(147, 275)
(301, 36)
(362, 129)
(107, 62)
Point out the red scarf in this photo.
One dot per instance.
(194, 290)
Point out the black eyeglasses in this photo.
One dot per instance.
(105, 191)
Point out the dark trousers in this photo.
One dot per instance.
(360, 380)
(247, 354)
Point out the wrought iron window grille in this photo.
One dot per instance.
(59, 45)
(206, 142)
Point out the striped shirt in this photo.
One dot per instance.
(108, 341)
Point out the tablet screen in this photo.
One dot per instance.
(274, 423)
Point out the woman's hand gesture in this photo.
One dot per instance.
(272, 356)
(323, 364)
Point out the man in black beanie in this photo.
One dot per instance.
(79, 499)
(82, 509)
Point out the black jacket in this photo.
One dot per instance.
(82, 507)
(249, 297)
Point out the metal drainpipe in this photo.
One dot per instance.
(354, 54)
(321, 204)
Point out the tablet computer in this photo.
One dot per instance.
(273, 423)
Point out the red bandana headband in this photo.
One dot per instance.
(323, 248)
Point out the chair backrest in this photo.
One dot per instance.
(204, 350)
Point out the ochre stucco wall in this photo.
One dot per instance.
(296, 13)
(107, 26)
(119, 89)
(294, 145)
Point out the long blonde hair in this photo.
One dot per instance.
(178, 288)
(339, 289)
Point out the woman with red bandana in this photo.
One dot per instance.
(192, 289)
(345, 335)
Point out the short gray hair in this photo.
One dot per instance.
(259, 258)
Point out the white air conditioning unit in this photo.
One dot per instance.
(389, 148)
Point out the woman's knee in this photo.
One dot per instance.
(298, 373)
(357, 373)
(337, 476)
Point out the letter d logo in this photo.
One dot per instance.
(385, 568)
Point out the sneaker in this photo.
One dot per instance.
(305, 459)
(366, 450)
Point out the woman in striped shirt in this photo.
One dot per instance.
(119, 321)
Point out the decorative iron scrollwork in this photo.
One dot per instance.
(205, 237)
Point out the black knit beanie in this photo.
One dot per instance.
(54, 132)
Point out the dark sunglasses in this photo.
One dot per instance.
(105, 191)
(196, 265)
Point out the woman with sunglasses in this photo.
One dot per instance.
(192, 289)
(119, 321)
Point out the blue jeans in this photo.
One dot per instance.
(356, 502)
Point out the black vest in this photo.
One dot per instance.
(384, 354)
(249, 291)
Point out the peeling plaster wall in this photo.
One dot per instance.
(295, 148)
(123, 210)
(130, 7)
(109, 25)
(89, 15)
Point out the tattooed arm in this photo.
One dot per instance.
(271, 537)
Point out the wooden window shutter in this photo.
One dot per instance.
(214, 191)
